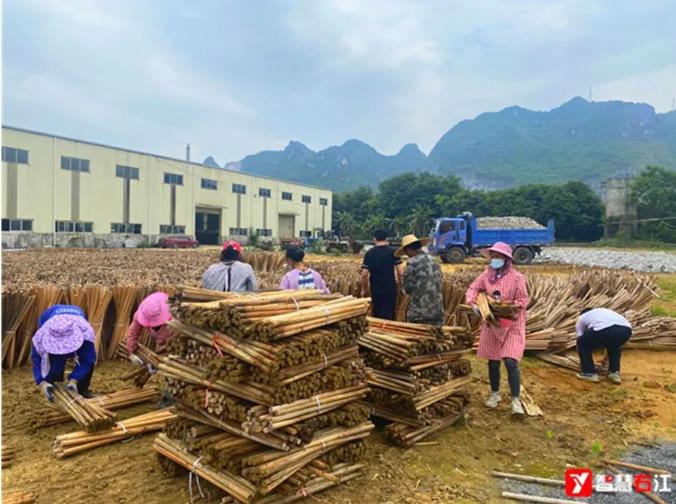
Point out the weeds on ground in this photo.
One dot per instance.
(665, 305)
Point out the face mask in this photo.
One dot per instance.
(497, 263)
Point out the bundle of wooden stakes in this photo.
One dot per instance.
(73, 443)
(88, 414)
(268, 388)
(418, 376)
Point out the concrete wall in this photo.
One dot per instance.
(621, 213)
(44, 192)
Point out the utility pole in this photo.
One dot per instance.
(187, 152)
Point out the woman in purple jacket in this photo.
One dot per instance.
(301, 276)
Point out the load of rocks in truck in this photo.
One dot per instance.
(509, 222)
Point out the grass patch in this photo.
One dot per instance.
(665, 305)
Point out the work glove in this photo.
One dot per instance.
(476, 310)
(47, 389)
(135, 359)
(72, 386)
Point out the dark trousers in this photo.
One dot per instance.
(513, 375)
(384, 305)
(611, 338)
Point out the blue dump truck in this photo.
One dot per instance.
(454, 238)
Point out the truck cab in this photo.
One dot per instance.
(449, 238)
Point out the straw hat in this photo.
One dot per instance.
(409, 240)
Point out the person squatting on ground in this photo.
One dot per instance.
(63, 333)
(422, 282)
(601, 328)
(152, 315)
(507, 341)
(383, 271)
(301, 276)
(231, 273)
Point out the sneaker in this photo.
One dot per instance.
(594, 378)
(86, 394)
(517, 407)
(615, 378)
(493, 400)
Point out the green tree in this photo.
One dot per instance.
(654, 192)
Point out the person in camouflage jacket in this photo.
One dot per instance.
(422, 282)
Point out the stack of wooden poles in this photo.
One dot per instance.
(267, 388)
(418, 376)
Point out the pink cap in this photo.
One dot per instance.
(501, 248)
(233, 244)
(154, 310)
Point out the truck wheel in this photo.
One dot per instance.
(523, 255)
(455, 255)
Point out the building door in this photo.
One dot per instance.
(208, 226)
(287, 226)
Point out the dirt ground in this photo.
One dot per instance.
(582, 423)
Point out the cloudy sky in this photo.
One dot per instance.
(233, 77)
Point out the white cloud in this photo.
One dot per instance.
(656, 87)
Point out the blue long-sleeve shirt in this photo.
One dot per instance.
(86, 358)
(86, 354)
(60, 309)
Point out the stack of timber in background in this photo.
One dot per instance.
(109, 284)
(267, 388)
(418, 376)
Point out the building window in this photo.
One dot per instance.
(305, 234)
(209, 184)
(117, 227)
(12, 155)
(287, 196)
(323, 201)
(265, 193)
(264, 232)
(169, 229)
(306, 199)
(173, 178)
(126, 172)
(239, 232)
(17, 225)
(239, 188)
(74, 164)
(73, 227)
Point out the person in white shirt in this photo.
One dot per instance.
(601, 328)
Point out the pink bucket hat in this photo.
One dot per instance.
(154, 310)
(501, 248)
(62, 334)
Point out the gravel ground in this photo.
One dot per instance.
(662, 457)
(637, 260)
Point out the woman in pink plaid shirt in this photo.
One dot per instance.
(507, 341)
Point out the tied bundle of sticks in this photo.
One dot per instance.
(493, 309)
(235, 314)
(276, 417)
(89, 415)
(17, 497)
(117, 400)
(418, 377)
(73, 443)
(141, 375)
(8, 454)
